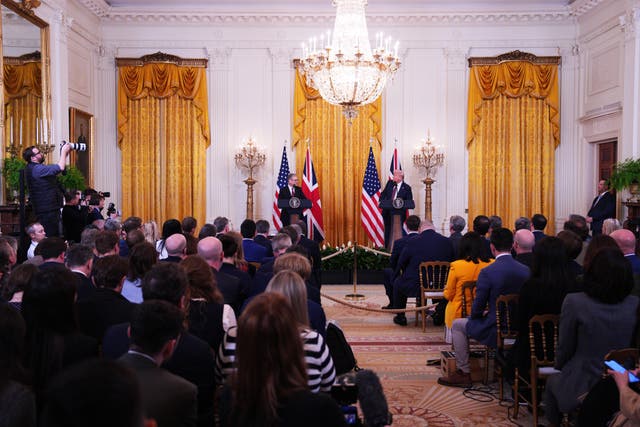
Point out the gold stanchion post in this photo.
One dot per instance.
(355, 296)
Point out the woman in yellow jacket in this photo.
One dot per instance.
(465, 269)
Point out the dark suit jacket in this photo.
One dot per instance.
(192, 360)
(253, 252)
(167, 398)
(285, 215)
(398, 246)
(231, 290)
(404, 193)
(635, 263)
(84, 286)
(603, 209)
(103, 309)
(261, 240)
(526, 259)
(74, 219)
(455, 241)
(504, 276)
(428, 246)
(244, 278)
(539, 235)
(313, 249)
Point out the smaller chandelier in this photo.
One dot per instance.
(427, 156)
(344, 68)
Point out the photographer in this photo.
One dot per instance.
(74, 216)
(44, 191)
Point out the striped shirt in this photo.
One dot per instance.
(320, 368)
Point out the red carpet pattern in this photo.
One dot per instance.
(399, 355)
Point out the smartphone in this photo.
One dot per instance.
(619, 368)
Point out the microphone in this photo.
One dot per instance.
(372, 400)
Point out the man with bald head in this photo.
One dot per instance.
(176, 246)
(210, 249)
(626, 240)
(523, 243)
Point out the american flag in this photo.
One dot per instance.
(370, 213)
(282, 182)
(310, 188)
(395, 163)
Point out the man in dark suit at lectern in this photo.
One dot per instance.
(395, 189)
(287, 192)
(603, 207)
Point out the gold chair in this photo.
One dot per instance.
(468, 294)
(506, 306)
(543, 343)
(433, 278)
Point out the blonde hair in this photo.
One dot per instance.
(150, 230)
(610, 225)
(289, 284)
(295, 262)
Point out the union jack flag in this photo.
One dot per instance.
(370, 212)
(310, 188)
(282, 182)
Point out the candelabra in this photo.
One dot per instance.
(428, 157)
(250, 157)
(42, 132)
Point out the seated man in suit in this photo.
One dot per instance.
(538, 223)
(523, 243)
(413, 225)
(167, 398)
(192, 358)
(504, 276)
(428, 246)
(210, 249)
(79, 260)
(262, 235)
(253, 252)
(626, 240)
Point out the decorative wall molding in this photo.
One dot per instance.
(629, 23)
(580, 7)
(164, 58)
(282, 58)
(220, 58)
(605, 110)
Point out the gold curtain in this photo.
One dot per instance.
(339, 151)
(23, 102)
(513, 128)
(163, 132)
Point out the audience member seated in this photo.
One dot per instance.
(18, 281)
(150, 230)
(456, 225)
(106, 307)
(271, 384)
(167, 398)
(253, 252)
(169, 228)
(413, 230)
(176, 247)
(230, 251)
(142, 258)
(428, 246)
(210, 249)
(239, 260)
(538, 224)
(17, 403)
(629, 415)
(52, 341)
(88, 236)
(262, 236)
(208, 317)
(592, 323)
(131, 227)
(107, 244)
(578, 224)
(596, 244)
(543, 293)
(504, 276)
(279, 244)
(523, 243)
(573, 246)
(626, 241)
(321, 373)
(222, 225)
(522, 223)
(610, 225)
(481, 226)
(313, 250)
(52, 250)
(466, 268)
(96, 393)
(79, 259)
(207, 230)
(36, 234)
(192, 359)
(189, 225)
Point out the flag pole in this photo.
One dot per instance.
(355, 296)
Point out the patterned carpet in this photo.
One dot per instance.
(399, 354)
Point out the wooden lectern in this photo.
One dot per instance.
(396, 208)
(294, 207)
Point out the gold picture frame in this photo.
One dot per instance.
(81, 131)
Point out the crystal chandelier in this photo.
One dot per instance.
(344, 68)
